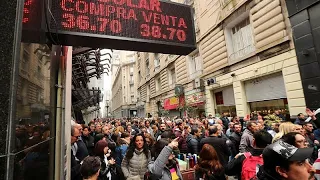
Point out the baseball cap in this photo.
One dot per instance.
(280, 150)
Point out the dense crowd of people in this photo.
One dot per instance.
(214, 148)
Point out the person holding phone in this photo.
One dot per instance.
(165, 165)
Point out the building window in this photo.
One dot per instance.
(172, 76)
(156, 60)
(25, 60)
(147, 67)
(239, 36)
(158, 84)
(195, 65)
(131, 69)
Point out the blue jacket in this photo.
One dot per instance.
(120, 153)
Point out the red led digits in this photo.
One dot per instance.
(172, 33)
(26, 11)
(181, 35)
(69, 21)
(156, 31)
(145, 30)
(115, 26)
(83, 22)
(103, 24)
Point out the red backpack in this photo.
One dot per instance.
(249, 166)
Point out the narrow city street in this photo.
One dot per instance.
(160, 90)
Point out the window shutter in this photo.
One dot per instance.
(265, 88)
(228, 96)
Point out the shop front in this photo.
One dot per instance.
(173, 106)
(195, 103)
(267, 94)
(225, 102)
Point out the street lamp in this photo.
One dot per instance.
(107, 105)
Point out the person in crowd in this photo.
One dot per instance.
(274, 129)
(235, 120)
(295, 139)
(277, 113)
(75, 164)
(148, 127)
(134, 164)
(165, 166)
(284, 128)
(162, 128)
(98, 129)
(298, 128)
(143, 130)
(179, 132)
(149, 140)
(80, 147)
(109, 169)
(308, 129)
(301, 118)
(92, 127)
(246, 142)
(283, 161)
(230, 129)
(241, 165)
(90, 168)
(122, 146)
(225, 120)
(119, 130)
(219, 144)
(235, 138)
(209, 167)
(107, 134)
(193, 141)
(88, 139)
(155, 131)
(130, 130)
(263, 125)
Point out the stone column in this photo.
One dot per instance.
(11, 13)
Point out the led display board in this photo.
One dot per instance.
(140, 25)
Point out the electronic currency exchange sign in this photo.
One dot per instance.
(140, 25)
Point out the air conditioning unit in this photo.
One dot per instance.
(198, 83)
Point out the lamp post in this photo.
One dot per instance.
(107, 105)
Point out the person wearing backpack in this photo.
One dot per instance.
(245, 165)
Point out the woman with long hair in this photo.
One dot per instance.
(149, 140)
(284, 129)
(134, 164)
(209, 166)
(122, 146)
(165, 166)
(109, 169)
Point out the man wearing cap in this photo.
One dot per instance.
(284, 161)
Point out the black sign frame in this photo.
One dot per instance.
(72, 38)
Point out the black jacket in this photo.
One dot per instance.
(75, 168)
(193, 145)
(82, 151)
(234, 167)
(235, 138)
(220, 146)
(89, 142)
(115, 171)
(263, 175)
